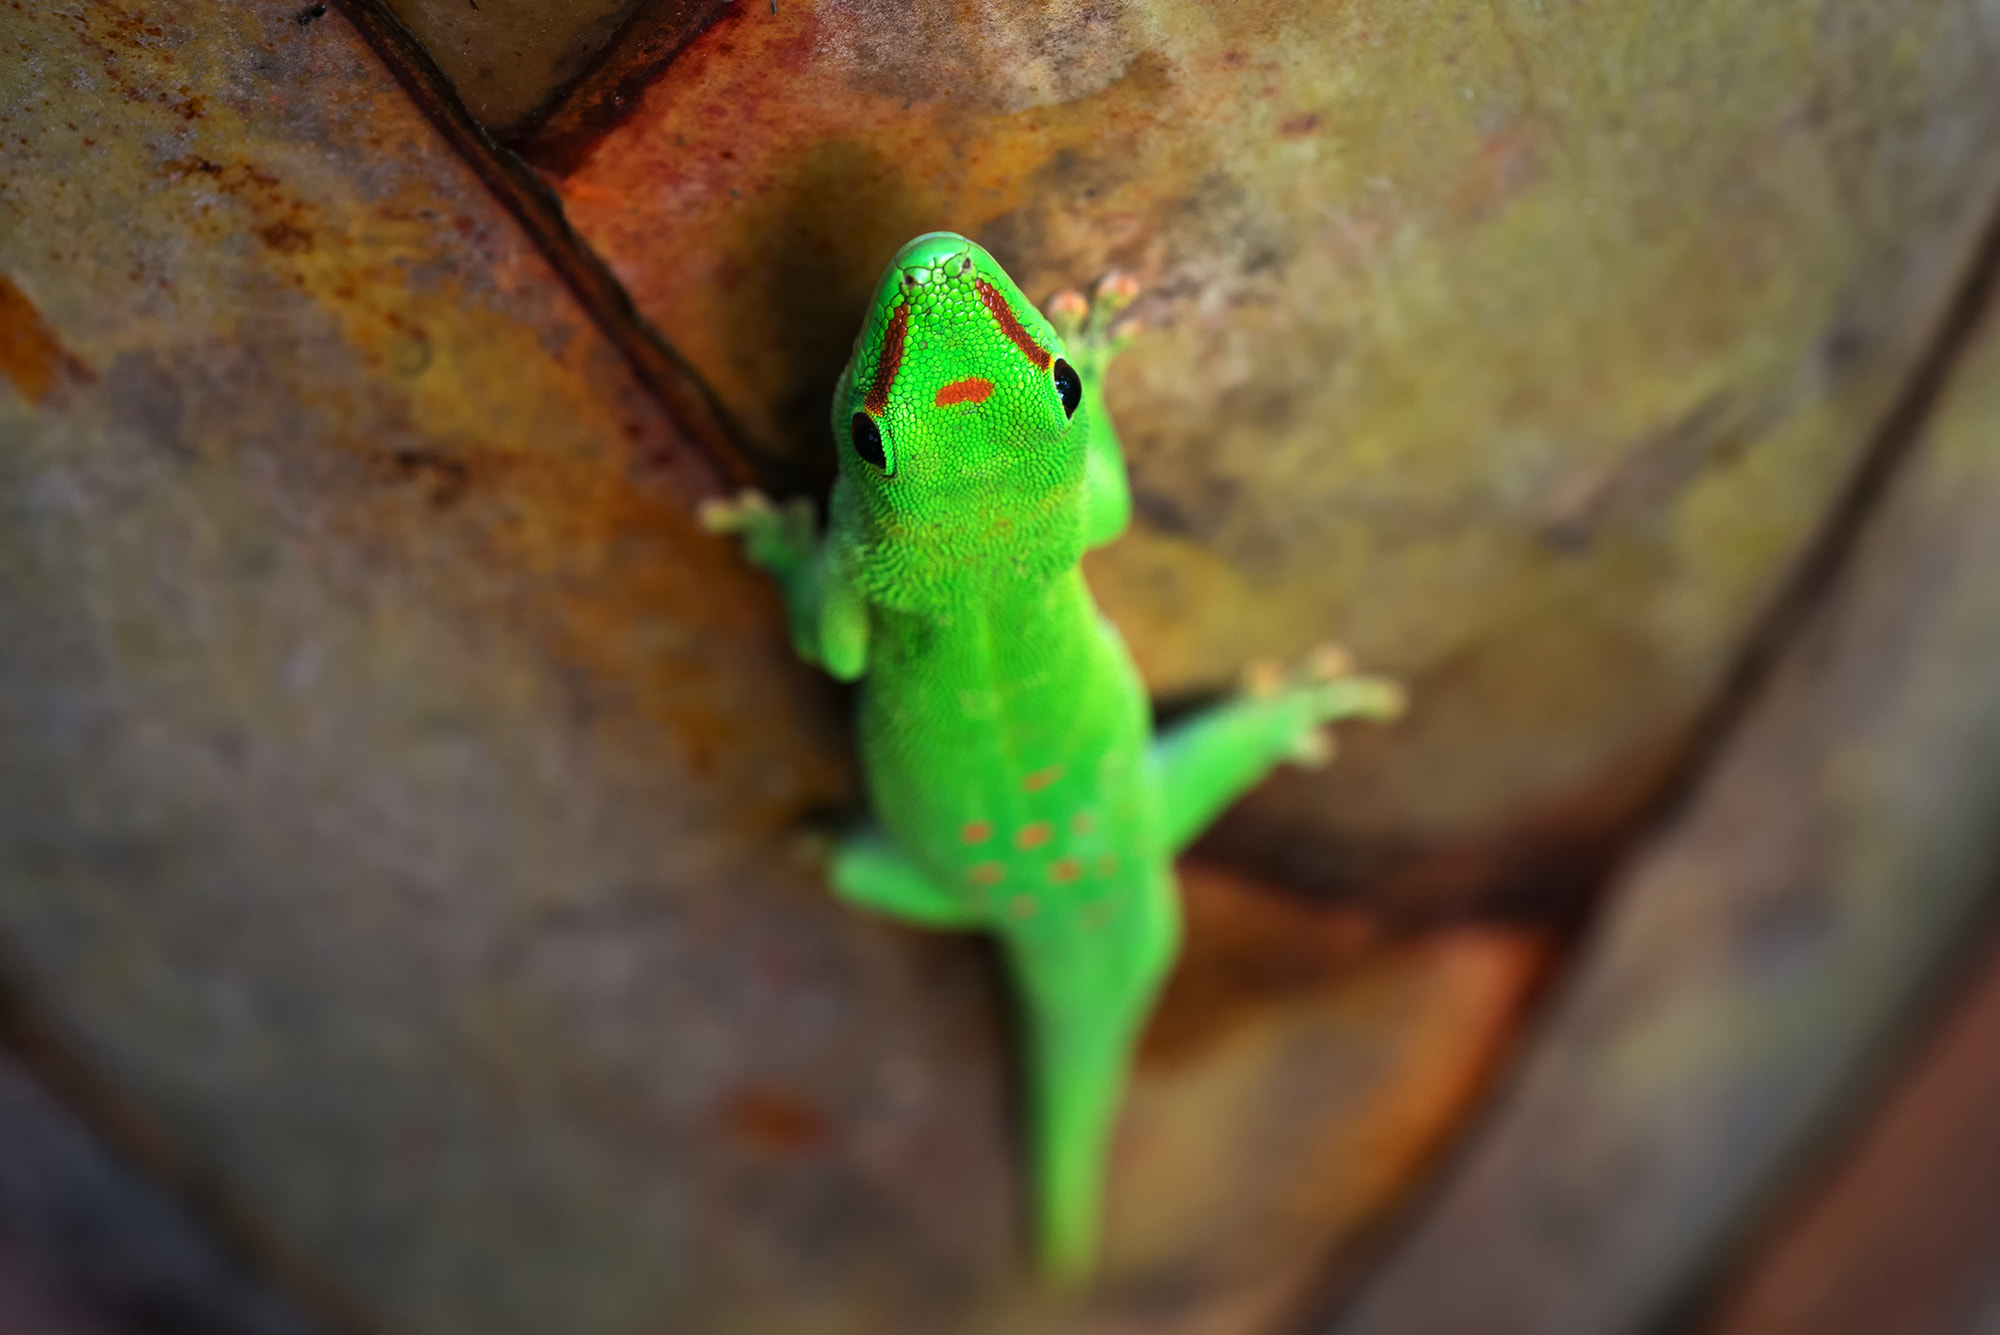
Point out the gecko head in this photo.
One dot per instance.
(960, 420)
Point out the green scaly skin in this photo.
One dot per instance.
(1005, 734)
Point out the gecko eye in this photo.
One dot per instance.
(1069, 386)
(868, 440)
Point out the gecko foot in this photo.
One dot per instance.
(774, 536)
(735, 514)
(1314, 748)
(1325, 689)
(1090, 325)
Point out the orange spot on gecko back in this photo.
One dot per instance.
(1033, 836)
(1064, 870)
(1022, 906)
(976, 831)
(1042, 778)
(972, 389)
(987, 873)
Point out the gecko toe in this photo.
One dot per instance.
(732, 514)
(1263, 679)
(1116, 291)
(1329, 661)
(1067, 310)
(1314, 749)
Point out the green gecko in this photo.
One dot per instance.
(1005, 734)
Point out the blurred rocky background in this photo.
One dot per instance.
(407, 917)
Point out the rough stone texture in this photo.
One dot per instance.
(1303, 1069)
(403, 805)
(1518, 345)
(551, 73)
(1903, 1230)
(87, 1248)
(507, 57)
(1762, 949)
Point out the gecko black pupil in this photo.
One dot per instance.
(1069, 386)
(868, 440)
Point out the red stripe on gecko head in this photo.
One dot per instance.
(892, 361)
(1003, 315)
(972, 389)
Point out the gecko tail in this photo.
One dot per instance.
(1077, 1080)
(1086, 988)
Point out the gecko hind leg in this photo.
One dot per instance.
(872, 873)
(1207, 762)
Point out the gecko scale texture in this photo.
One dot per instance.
(1006, 736)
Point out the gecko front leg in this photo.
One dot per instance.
(829, 618)
(1207, 762)
(1094, 333)
(873, 873)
